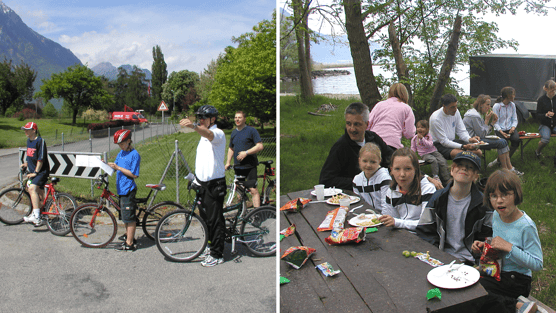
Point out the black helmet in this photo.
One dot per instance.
(207, 111)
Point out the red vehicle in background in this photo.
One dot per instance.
(129, 115)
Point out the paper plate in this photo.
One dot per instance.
(362, 219)
(328, 192)
(352, 200)
(483, 144)
(532, 134)
(464, 276)
(492, 137)
(421, 161)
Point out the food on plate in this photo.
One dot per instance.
(354, 234)
(521, 133)
(295, 204)
(336, 199)
(297, 256)
(335, 219)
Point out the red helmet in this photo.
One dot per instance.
(122, 135)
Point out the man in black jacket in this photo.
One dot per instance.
(342, 165)
(545, 116)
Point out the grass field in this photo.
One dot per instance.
(305, 142)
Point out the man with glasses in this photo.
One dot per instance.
(445, 124)
(209, 169)
(455, 216)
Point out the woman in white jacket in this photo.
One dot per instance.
(479, 122)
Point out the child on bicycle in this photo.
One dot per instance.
(39, 170)
(515, 236)
(127, 165)
(373, 182)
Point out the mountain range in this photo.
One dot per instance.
(109, 71)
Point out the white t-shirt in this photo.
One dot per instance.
(455, 224)
(209, 162)
(444, 128)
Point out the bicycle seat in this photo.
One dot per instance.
(54, 180)
(267, 162)
(156, 186)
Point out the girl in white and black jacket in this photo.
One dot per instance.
(409, 191)
(373, 181)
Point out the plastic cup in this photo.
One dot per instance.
(345, 202)
(319, 190)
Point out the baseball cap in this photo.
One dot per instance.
(30, 125)
(467, 155)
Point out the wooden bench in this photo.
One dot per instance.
(542, 308)
(528, 139)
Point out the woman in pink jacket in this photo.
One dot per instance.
(393, 118)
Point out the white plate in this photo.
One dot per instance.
(352, 200)
(482, 144)
(492, 137)
(361, 218)
(464, 276)
(531, 134)
(421, 161)
(328, 192)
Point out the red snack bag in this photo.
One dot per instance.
(354, 234)
(334, 220)
(295, 204)
(297, 256)
(288, 231)
(489, 263)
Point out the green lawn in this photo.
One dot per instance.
(305, 141)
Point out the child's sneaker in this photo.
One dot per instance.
(211, 261)
(493, 163)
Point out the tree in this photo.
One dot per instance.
(206, 79)
(159, 73)
(246, 79)
(16, 84)
(78, 86)
(301, 28)
(179, 91)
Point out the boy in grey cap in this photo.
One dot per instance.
(455, 216)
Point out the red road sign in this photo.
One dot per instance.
(162, 106)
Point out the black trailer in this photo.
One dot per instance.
(527, 73)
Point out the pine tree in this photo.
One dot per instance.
(159, 73)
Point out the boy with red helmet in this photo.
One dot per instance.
(127, 165)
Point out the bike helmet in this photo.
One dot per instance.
(122, 135)
(207, 111)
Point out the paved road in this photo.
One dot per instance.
(9, 162)
(45, 273)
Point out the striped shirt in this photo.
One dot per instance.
(373, 190)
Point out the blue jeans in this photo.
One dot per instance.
(545, 133)
(500, 144)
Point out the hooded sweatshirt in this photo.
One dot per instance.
(475, 124)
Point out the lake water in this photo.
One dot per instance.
(346, 84)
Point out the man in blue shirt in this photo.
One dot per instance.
(245, 142)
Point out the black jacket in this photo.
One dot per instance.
(432, 224)
(342, 163)
(545, 104)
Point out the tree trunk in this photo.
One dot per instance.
(308, 43)
(447, 66)
(304, 75)
(401, 67)
(74, 118)
(360, 53)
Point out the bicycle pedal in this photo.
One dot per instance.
(238, 259)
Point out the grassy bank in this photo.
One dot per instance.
(306, 141)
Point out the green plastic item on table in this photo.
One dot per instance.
(434, 293)
(371, 229)
(284, 280)
(282, 237)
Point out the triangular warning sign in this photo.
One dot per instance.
(162, 106)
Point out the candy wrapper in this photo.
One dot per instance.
(354, 234)
(327, 269)
(434, 293)
(489, 263)
(335, 219)
(287, 232)
(284, 280)
(425, 257)
(297, 256)
(295, 205)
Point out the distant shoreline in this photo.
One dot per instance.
(338, 96)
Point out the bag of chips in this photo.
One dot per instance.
(295, 204)
(327, 270)
(297, 256)
(287, 231)
(334, 220)
(489, 263)
(341, 236)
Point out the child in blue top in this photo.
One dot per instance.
(372, 183)
(505, 126)
(127, 165)
(515, 237)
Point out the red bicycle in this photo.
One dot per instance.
(56, 209)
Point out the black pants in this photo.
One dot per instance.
(212, 197)
(503, 294)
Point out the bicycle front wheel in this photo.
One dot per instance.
(181, 236)
(258, 231)
(154, 214)
(62, 207)
(15, 203)
(92, 226)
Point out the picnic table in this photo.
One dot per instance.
(375, 276)
(527, 139)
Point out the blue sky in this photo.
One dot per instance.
(190, 33)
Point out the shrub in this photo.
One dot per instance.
(10, 112)
(26, 114)
(50, 111)
(111, 124)
(97, 115)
